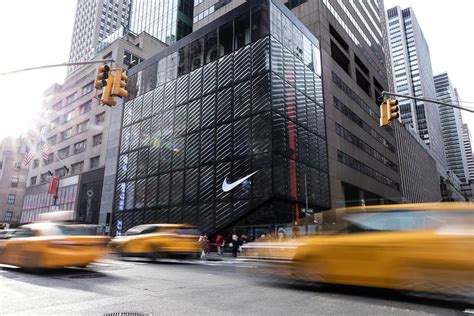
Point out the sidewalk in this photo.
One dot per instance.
(213, 256)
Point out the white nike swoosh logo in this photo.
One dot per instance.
(226, 187)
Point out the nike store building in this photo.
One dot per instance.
(226, 128)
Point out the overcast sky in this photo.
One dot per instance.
(39, 33)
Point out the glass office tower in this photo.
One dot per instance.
(241, 96)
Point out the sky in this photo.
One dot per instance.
(36, 33)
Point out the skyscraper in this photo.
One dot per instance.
(467, 142)
(94, 21)
(451, 127)
(412, 75)
(167, 20)
(362, 157)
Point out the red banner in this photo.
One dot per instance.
(53, 185)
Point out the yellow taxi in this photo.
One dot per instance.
(52, 245)
(157, 240)
(417, 247)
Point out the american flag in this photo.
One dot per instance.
(28, 156)
(45, 151)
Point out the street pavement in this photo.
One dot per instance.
(217, 286)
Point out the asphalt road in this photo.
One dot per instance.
(228, 287)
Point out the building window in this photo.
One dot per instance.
(52, 140)
(57, 106)
(54, 123)
(97, 140)
(66, 134)
(77, 167)
(33, 180)
(44, 177)
(36, 163)
(84, 108)
(16, 165)
(87, 88)
(95, 162)
(11, 199)
(61, 172)
(63, 153)
(71, 98)
(8, 216)
(68, 116)
(43, 129)
(14, 182)
(131, 60)
(100, 118)
(50, 159)
(80, 147)
(82, 127)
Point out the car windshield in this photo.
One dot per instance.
(79, 230)
(188, 231)
(405, 221)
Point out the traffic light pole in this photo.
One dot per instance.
(387, 93)
(59, 65)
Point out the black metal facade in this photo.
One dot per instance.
(241, 95)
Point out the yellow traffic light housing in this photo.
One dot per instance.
(388, 112)
(102, 73)
(106, 97)
(120, 82)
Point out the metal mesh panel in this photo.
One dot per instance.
(145, 132)
(278, 95)
(223, 170)
(135, 136)
(261, 93)
(241, 168)
(242, 63)
(154, 160)
(128, 113)
(279, 134)
(302, 148)
(311, 115)
(241, 137)
(224, 106)
(207, 146)
(147, 104)
(223, 214)
(301, 115)
(140, 193)
(122, 167)
(177, 187)
(224, 142)
(277, 57)
(176, 215)
(182, 89)
(210, 78)
(190, 215)
(170, 94)
(167, 124)
(260, 56)
(194, 115)
(151, 191)
(180, 120)
(206, 186)
(178, 154)
(149, 217)
(137, 109)
(161, 215)
(299, 76)
(142, 163)
(226, 70)
(313, 149)
(208, 111)
(195, 84)
(261, 133)
(206, 217)
(288, 66)
(242, 99)
(191, 185)
(158, 99)
(192, 150)
(320, 118)
(132, 165)
(164, 189)
(262, 180)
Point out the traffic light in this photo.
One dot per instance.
(101, 76)
(120, 82)
(106, 97)
(388, 112)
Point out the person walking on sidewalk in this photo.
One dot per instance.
(234, 245)
(205, 246)
(219, 244)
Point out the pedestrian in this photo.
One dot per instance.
(205, 246)
(234, 245)
(219, 244)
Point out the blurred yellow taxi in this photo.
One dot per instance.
(418, 247)
(52, 245)
(157, 240)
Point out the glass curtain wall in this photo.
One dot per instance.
(236, 100)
